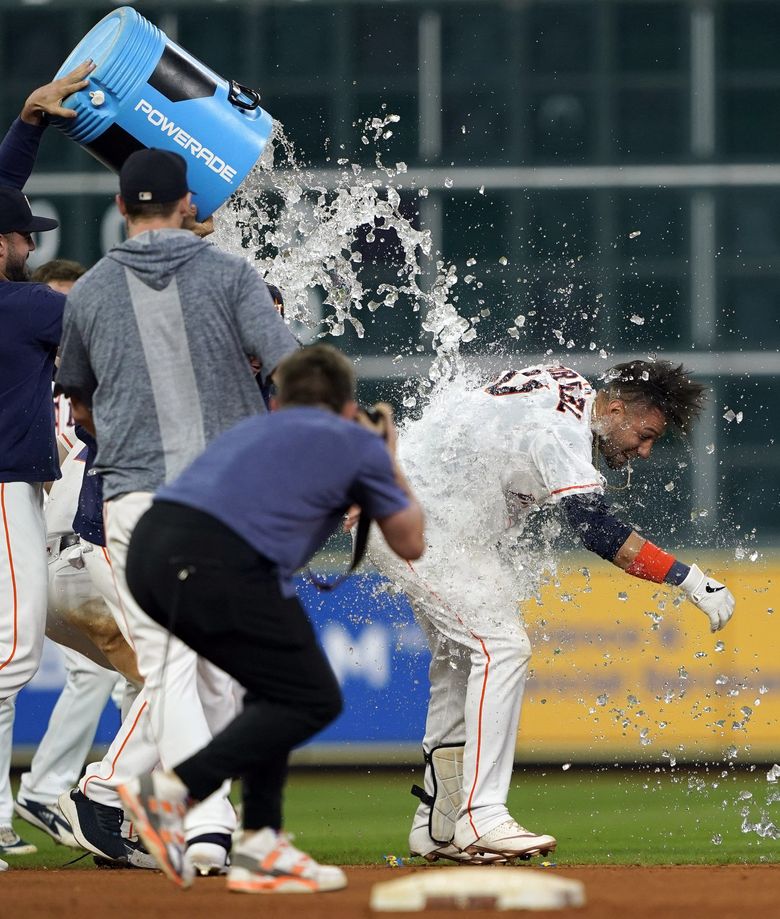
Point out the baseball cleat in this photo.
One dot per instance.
(98, 829)
(47, 817)
(267, 862)
(510, 840)
(12, 844)
(209, 854)
(157, 803)
(3, 865)
(450, 853)
(422, 846)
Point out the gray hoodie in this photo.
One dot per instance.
(156, 338)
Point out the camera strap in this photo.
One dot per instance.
(358, 551)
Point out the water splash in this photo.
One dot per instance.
(309, 239)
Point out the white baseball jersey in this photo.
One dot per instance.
(64, 495)
(484, 457)
(481, 460)
(63, 417)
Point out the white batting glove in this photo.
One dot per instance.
(714, 599)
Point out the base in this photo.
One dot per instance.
(477, 888)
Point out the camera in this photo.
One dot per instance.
(373, 419)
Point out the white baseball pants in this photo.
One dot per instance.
(23, 584)
(184, 702)
(60, 756)
(479, 664)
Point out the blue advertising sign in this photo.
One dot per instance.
(372, 641)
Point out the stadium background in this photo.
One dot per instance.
(548, 134)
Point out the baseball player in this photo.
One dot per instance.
(91, 678)
(489, 464)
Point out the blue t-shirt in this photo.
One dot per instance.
(30, 329)
(283, 481)
(88, 522)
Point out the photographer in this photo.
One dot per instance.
(213, 561)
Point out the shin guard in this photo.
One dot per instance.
(446, 765)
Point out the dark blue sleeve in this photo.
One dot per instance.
(598, 528)
(47, 308)
(18, 152)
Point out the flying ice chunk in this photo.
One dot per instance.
(520, 321)
(503, 260)
(566, 767)
(634, 233)
(710, 448)
(637, 320)
(448, 183)
(482, 189)
(470, 262)
(730, 415)
(773, 775)
(669, 486)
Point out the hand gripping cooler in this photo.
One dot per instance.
(146, 91)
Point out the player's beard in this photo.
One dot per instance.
(615, 459)
(16, 267)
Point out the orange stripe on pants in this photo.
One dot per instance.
(479, 732)
(89, 778)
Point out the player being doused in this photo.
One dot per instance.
(484, 463)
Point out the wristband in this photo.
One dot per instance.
(651, 563)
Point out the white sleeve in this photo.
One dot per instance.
(563, 462)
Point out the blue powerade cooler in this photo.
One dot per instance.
(146, 91)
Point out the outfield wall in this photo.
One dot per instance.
(621, 672)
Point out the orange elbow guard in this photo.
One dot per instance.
(651, 563)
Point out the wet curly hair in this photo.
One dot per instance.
(668, 388)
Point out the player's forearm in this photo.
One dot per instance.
(608, 537)
(642, 559)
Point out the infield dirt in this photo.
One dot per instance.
(679, 892)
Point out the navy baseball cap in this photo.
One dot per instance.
(153, 176)
(16, 215)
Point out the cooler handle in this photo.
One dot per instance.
(243, 97)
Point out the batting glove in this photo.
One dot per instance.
(714, 599)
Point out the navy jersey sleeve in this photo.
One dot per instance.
(375, 488)
(75, 376)
(46, 309)
(18, 152)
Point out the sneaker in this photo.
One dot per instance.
(47, 817)
(511, 840)
(98, 829)
(209, 854)
(157, 803)
(268, 862)
(12, 844)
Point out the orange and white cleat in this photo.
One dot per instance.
(157, 803)
(266, 861)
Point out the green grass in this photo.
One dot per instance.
(599, 817)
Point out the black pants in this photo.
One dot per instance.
(205, 584)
